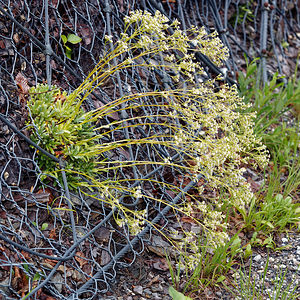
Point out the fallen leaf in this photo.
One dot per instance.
(161, 264)
(22, 83)
(52, 234)
(86, 33)
(153, 280)
(16, 38)
(160, 251)
(79, 259)
(49, 262)
(105, 258)
(186, 219)
(2, 45)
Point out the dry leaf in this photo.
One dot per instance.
(52, 234)
(16, 38)
(105, 258)
(79, 259)
(22, 83)
(161, 264)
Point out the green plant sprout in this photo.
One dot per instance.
(243, 13)
(212, 265)
(204, 123)
(177, 295)
(72, 39)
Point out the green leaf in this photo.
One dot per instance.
(68, 53)
(248, 251)
(177, 295)
(251, 69)
(221, 279)
(236, 243)
(26, 267)
(269, 242)
(74, 39)
(36, 276)
(64, 38)
(268, 223)
(44, 226)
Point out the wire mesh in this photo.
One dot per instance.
(78, 259)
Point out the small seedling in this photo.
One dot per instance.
(72, 39)
(45, 226)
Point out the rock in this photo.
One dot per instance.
(282, 266)
(57, 279)
(147, 291)
(284, 240)
(138, 289)
(157, 288)
(257, 257)
(156, 296)
(4, 286)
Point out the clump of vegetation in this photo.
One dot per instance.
(277, 124)
(273, 209)
(205, 125)
(62, 128)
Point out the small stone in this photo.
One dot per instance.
(284, 240)
(156, 296)
(296, 262)
(138, 289)
(282, 266)
(57, 280)
(219, 294)
(4, 286)
(147, 291)
(157, 288)
(257, 257)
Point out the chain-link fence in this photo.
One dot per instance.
(77, 259)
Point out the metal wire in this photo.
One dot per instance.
(78, 255)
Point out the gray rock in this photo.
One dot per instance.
(138, 289)
(157, 288)
(57, 279)
(257, 257)
(4, 286)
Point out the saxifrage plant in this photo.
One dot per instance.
(204, 124)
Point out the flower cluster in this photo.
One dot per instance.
(206, 122)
